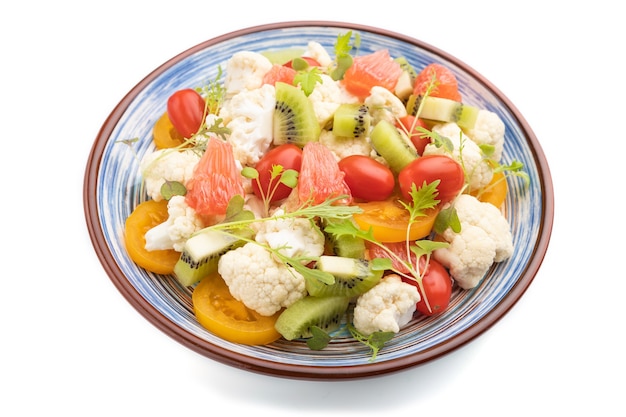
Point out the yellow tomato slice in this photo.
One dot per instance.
(495, 191)
(221, 314)
(389, 220)
(165, 135)
(143, 218)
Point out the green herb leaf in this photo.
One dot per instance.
(447, 217)
(375, 341)
(171, 188)
(289, 178)
(308, 79)
(250, 173)
(319, 339)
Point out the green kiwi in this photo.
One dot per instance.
(393, 145)
(282, 56)
(296, 321)
(351, 120)
(440, 109)
(404, 86)
(201, 255)
(294, 117)
(352, 277)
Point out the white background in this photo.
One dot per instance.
(72, 345)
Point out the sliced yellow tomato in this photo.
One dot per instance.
(389, 221)
(221, 314)
(143, 218)
(165, 135)
(495, 191)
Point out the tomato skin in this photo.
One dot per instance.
(367, 178)
(287, 155)
(186, 110)
(220, 313)
(409, 124)
(430, 168)
(435, 279)
(437, 288)
(388, 220)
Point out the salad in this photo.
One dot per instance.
(302, 192)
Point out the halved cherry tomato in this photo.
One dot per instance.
(186, 109)
(165, 134)
(409, 124)
(220, 313)
(143, 218)
(367, 178)
(289, 156)
(495, 192)
(388, 220)
(428, 169)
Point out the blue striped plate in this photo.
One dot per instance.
(112, 188)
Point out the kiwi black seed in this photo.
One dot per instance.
(294, 116)
(327, 313)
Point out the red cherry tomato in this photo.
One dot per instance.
(409, 124)
(437, 288)
(430, 168)
(367, 178)
(289, 156)
(185, 109)
(435, 280)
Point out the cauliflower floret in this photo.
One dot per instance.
(181, 223)
(326, 97)
(249, 115)
(342, 147)
(488, 130)
(485, 238)
(294, 238)
(167, 165)
(384, 105)
(316, 51)
(465, 152)
(245, 71)
(260, 282)
(387, 307)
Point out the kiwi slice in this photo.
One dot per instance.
(393, 145)
(282, 56)
(404, 86)
(352, 277)
(438, 109)
(351, 120)
(201, 255)
(294, 117)
(296, 321)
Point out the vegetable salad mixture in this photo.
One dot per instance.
(301, 192)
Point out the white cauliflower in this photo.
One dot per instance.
(260, 282)
(181, 223)
(294, 238)
(249, 116)
(488, 130)
(342, 147)
(477, 169)
(485, 238)
(316, 51)
(387, 307)
(167, 165)
(384, 105)
(245, 71)
(326, 97)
